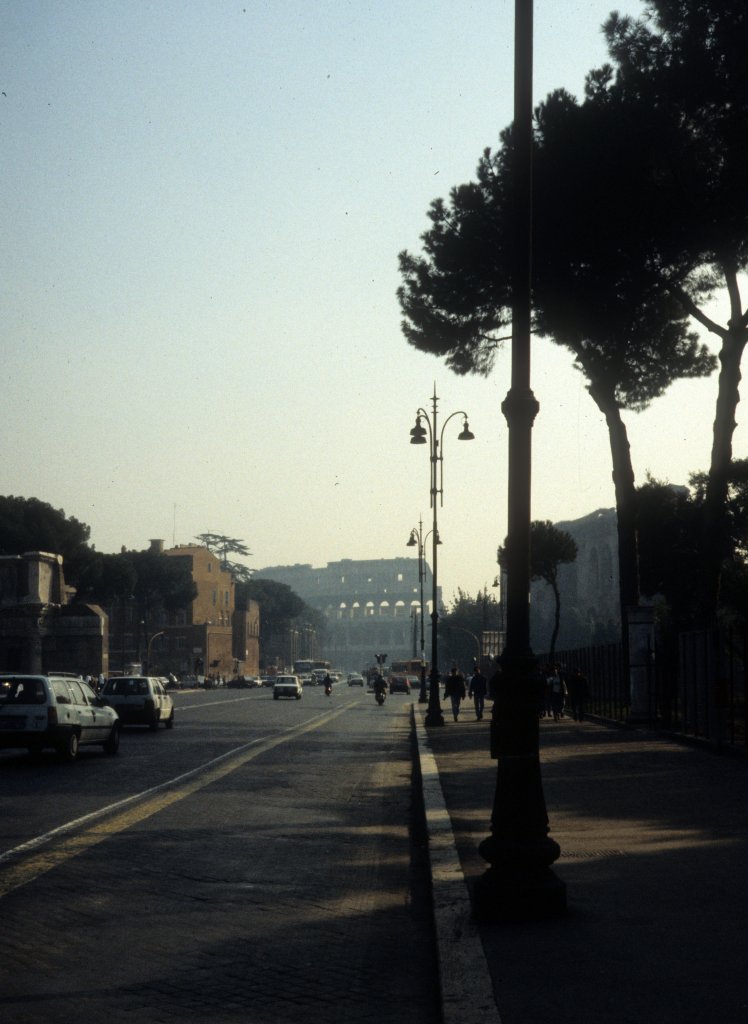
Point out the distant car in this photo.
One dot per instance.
(287, 686)
(140, 700)
(61, 712)
(243, 683)
(268, 681)
(399, 684)
(354, 680)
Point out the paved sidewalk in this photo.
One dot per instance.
(654, 841)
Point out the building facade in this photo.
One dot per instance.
(42, 627)
(210, 637)
(371, 606)
(589, 587)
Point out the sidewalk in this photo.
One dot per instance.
(654, 852)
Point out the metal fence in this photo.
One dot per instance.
(696, 687)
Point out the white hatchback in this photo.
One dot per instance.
(140, 700)
(61, 712)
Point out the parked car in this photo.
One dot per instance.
(354, 680)
(268, 681)
(64, 713)
(287, 686)
(140, 700)
(399, 684)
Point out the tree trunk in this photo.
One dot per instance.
(625, 494)
(714, 524)
(715, 537)
(556, 620)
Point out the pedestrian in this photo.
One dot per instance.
(578, 692)
(477, 691)
(454, 688)
(558, 692)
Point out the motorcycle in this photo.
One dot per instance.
(328, 689)
(380, 696)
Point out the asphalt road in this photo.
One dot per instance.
(258, 863)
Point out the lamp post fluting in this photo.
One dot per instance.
(519, 883)
(431, 435)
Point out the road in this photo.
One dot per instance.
(257, 863)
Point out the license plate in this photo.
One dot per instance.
(10, 722)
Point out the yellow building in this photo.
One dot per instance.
(210, 637)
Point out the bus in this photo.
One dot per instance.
(305, 666)
(411, 667)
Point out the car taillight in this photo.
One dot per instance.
(52, 716)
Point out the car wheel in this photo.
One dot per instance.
(170, 720)
(68, 748)
(112, 744)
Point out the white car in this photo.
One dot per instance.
(61, 712)
(287, 686)
(139, 700)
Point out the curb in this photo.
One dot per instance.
(467, 994)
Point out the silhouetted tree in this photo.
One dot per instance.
(686, 60)
(224, 546)
(592, 292)
(549, 548)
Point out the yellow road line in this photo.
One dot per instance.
(32, 867)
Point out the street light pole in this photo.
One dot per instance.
(519, 884)
(148, 650)
(417, 537)
(435, 439)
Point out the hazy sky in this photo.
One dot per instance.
(202, 206)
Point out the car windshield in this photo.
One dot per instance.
(24, 691)
(127, 687)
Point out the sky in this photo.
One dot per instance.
(203, 204)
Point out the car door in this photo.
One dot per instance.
(83, 712)
(101, 716)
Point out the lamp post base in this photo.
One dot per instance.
(506, 895)
(434, 714)
(519, 884)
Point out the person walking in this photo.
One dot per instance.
(477, 691)
(578, 692)
(558, 692)
(454, 688)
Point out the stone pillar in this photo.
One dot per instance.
(640, 624)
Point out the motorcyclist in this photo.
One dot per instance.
(328, 684)
(380, 685)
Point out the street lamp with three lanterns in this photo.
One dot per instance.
(431, 435)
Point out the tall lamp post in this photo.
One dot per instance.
(431, 435)
(148, 650)
(519, 883)
(417, 538)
